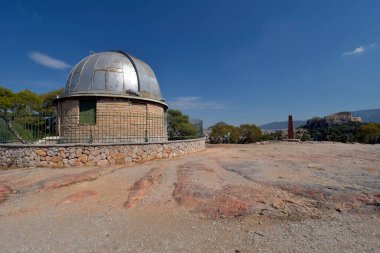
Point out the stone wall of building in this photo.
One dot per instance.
(66, 155)
(117, 120)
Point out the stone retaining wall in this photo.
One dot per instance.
(67, 155)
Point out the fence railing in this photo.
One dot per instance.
(104, 128)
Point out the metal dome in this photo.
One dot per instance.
(113, 73)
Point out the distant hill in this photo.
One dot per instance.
(282, 125)
(368, 115)
(372, 115)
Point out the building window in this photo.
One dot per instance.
(87, 111)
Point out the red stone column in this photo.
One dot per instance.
(290, 128)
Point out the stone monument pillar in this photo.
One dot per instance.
(290, 128)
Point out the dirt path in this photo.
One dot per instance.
(284, 197)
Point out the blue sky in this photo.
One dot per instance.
(233, 61)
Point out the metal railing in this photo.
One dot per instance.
(104, 128)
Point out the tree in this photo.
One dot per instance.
(179, 125)
(249, 133)
(24, 104)
(340, 132)
(12, 104)
(369, 133)
(223, 133)
(305, 137)
(48, 105)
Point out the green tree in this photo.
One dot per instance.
(179, 125)
(249, 133)
(48, 105)
(13, 104)
(267, 137)
(305, 137)
(24, 105)
(369, 133)
(340, 132)
(223, 133)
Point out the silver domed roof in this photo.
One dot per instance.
(112, 73)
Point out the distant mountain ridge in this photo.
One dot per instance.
(367, 116)
(278, 125)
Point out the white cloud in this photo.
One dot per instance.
(188, 103)
(358, 50)
(48, 61)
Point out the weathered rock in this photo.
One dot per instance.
(102, 163)
(121, 155)
(140, 188)
(140, 152)
(95, 152)
(128, 160)
(56, 159)
(90, 163)
(43, 164)
(83, 158)
(40, 152)
(52, 152)
(78, 152)
(97, 158)
(26, 159)
(77, 197)
(5, 190)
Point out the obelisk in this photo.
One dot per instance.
(290, 128)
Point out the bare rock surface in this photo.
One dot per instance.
(142, 186)
(274, 197)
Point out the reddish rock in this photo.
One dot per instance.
(128, 160)
(56, 159)
(90, 163)
(83, 158)
(335, 200)
(5, 190)
(102, 163)
(95, 152)
(120, 161)
(77, 197)
(64, 180)
(121, 155)
(40, 152)
(221, 199)
(141, 187)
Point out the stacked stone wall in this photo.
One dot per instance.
(93, 155)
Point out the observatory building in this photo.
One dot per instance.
(111, 97)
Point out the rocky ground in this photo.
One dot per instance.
(272, 197)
